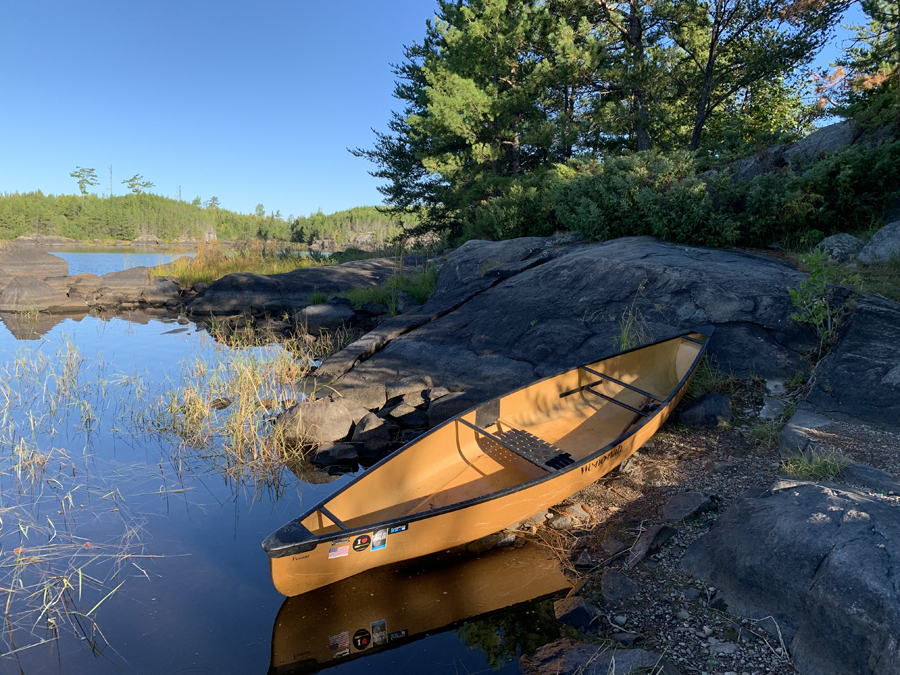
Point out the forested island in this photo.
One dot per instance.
(146, 216)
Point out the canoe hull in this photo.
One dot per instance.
(416, 537)
(490, 467)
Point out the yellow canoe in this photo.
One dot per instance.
(490, 467)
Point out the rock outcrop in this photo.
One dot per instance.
(860, 377)
(822, 561)
(236, 293)
(505, 313)
(24, 294)
(21, 261)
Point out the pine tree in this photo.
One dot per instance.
(84, 178)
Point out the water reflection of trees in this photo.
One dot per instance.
(507, 635)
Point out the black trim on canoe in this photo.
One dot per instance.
(290, 540)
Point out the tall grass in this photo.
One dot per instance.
(213, 261)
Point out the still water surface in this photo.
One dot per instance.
(102, 261)
(128, 540)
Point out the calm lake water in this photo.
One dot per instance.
(133, 545)
(101, 261)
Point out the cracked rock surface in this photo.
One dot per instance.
(505, 313)
(822, 560)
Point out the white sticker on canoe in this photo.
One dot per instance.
(339, 551)
(379, 540)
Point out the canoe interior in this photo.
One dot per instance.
(455, 463)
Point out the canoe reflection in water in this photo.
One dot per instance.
(389, 606)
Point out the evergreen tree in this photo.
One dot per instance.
(84, 178)
(137, 184)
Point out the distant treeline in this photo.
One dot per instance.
(129, 217)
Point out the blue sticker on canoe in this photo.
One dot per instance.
(398, 528)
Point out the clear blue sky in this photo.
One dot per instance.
(250, 102)
(253, 102)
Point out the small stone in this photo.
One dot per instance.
(220, 403)
(585, 560)
(484, 544)
(689, 593)
(539, 518)
(506, 539)
(649, 542)
(688, 504)
(620, 620)
(723, 648)
(578, 512)
(625, 639)
(772, 408)
(560, 522)
(682, 615)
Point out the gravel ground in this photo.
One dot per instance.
(672, 613)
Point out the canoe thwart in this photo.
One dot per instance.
(620, 383)
(690, 339)
(528, 446)
(636, 411)
(334, 519)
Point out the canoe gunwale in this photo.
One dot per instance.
(308, 544)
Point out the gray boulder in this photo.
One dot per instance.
(822, 561)
(568, 657)
(841, 246)
(710, 410)
(650, 541)
(31, 294)
(371, 398)
(506, 313)
(325, 317)
(799, 435)
(315, 422)
(111, 289)
(860, 377)
(22, 261)
(160, 290)
(883, 246)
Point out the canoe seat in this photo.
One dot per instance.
(535, 450)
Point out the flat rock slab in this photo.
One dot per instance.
(860, 377)
(506, 313)
(688, 504)
(617, 587)
(24, 294)
(22, 261)
(822, 560)
(234, 293)
(568, 657)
